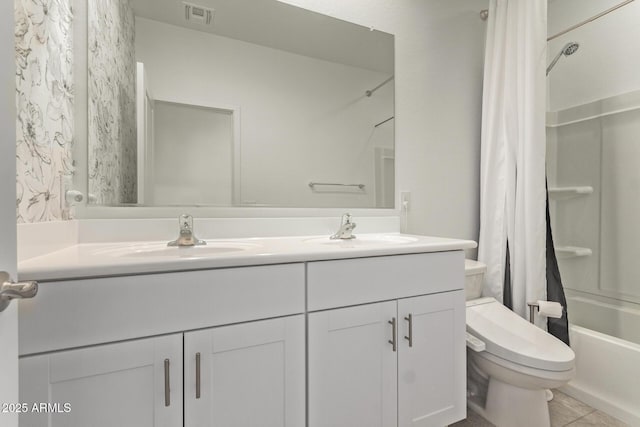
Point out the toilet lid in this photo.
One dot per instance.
(511, 337)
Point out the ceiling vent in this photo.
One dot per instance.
(198, 14)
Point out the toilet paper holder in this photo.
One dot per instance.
(532, 310)
(535, 305)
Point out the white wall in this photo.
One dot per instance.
(439, 60)
(608, 61)
(301, 119)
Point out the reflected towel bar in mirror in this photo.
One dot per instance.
(313, 184)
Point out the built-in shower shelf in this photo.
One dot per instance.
(565, 192)
(572, 251)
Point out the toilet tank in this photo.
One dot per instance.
(474, 273)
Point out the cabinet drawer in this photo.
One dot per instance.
(91, 311)
(340, 283)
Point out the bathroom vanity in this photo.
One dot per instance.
(285, 332)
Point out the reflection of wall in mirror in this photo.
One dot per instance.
(303, 119)
(112, 103)
(193, 155)
(385, 171)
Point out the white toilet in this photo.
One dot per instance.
(510, 362)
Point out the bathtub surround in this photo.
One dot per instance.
(596, 145)
(512, 182)
(44, 100)
(592, 131)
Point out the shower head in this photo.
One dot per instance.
(568, 49)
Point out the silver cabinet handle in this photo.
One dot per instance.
(167, 387)
(197, 375)
(10, 291)
(393, 340)
(409, 319)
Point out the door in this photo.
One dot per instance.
(352, 366)
(8, 252)
(128, 384)
(248, 374)
(431, 360)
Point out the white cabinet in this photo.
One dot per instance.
(352, 367)
(232, 344)
(432, 371)
(369, 365)
(109, 309)
(252, 369)
(250, 374)
(120, 384)
(399, 362)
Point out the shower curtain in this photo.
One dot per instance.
(512, 177)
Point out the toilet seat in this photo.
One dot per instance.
(510, 337)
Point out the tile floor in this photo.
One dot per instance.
(564, 411)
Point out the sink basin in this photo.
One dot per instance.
(154, 250)
(364, 240)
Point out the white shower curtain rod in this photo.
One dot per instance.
(484, 14)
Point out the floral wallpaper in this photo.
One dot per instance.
(112, 102)
(44, 98)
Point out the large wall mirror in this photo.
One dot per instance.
(237, 103)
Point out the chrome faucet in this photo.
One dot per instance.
(346, 228)
(186, 237)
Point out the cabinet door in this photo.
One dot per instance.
(250, 374)
(109, 385)
(432, 372)
(352, 367)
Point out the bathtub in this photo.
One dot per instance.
(607, 367)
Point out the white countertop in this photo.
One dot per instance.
(127, 258)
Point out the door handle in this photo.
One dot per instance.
(198, 376)
(393, 341)
(10, 290)
(167, 384)
(409, 338)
